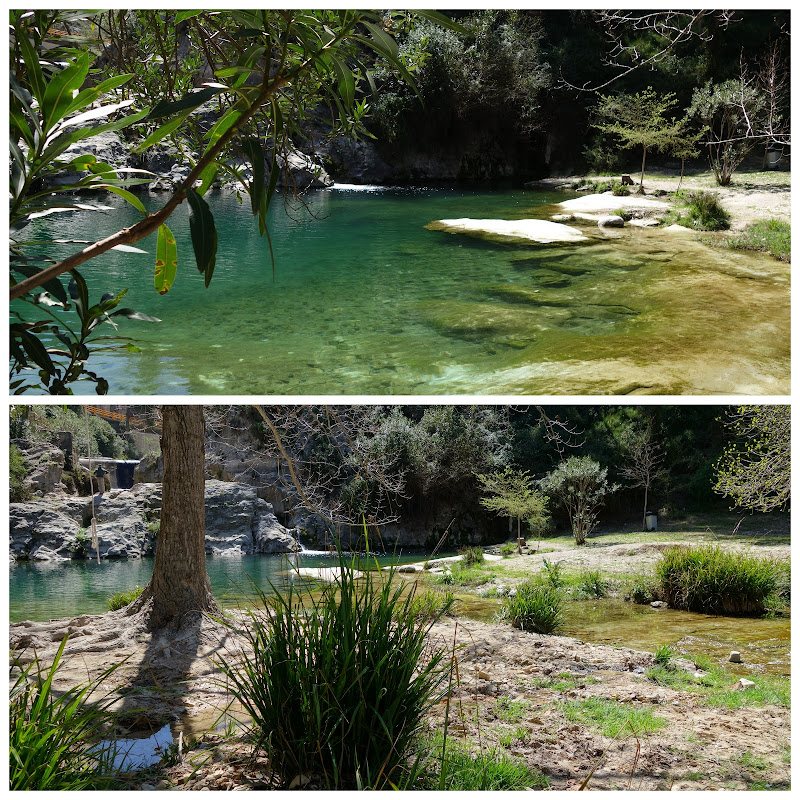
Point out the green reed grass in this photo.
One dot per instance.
(536, 607)
(714, 581)
(121, 599)
(338, 684)
(52, 735)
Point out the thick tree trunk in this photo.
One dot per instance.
(180, 584)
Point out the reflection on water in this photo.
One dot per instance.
(365, 300)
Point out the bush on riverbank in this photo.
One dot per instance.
(702, 212)
(535, 607)
(334, 683)
(773, 236)
(17, 470)
(714, 581)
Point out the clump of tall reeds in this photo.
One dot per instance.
(336, 683)
(714, 581)
(52, 738)
(535, 607)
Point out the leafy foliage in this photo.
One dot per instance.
(773, 236)
(755, 469)
(580, 483)
(18, 470)
(729, 111)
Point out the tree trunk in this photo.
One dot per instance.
(641, 177)
(180, 584)
(644, 512)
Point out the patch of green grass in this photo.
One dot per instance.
(473, 575)
(771, 236)
(663, 655)
(508, 710)
(508, 549)
(611, 717)
(786, 754)
(751, 761)
(488, 771)
(766, 692)
(715, 581)
(563, 682)
(592, 584)
(535, 608)
(694, 776)
(121, 599)
(428, 604)
(471, 555)
(701, 211)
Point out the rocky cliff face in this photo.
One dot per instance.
(57, 527)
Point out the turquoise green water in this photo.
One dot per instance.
(366, 300)
(54, 590)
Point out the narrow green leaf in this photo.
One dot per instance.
(61, 90)
(31, 59)
(125, 195)
(184, 15)
(206, 177)
(79, 293)
(441, 19)
(166, 260)
(129, 313)
(204, 234)
(224, 123)
(274, 174)
(165, 108)
(253, 151)
(160, 133)
(347, 84)
(383, 41)
(36, 350)
(88, 96)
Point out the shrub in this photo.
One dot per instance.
(471, 555)
(555, 573)
(771, 236)
(618, 190)
(705, 213)
(51, 734)
(121, 599)
(79, 544)
(428, 604)
(508, 549)
(18, 470)
(334, 682)
(535, 608)
(623, 214)
(592, 584)
(663, 655)
(708, 579)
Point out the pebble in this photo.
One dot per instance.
(735, 657)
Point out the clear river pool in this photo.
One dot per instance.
(366, 300)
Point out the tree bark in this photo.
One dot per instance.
(180, 585)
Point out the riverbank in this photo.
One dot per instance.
(753, 194)
(570, 710)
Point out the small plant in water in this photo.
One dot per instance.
(592, 584)
(508, 549)
(535, 608)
